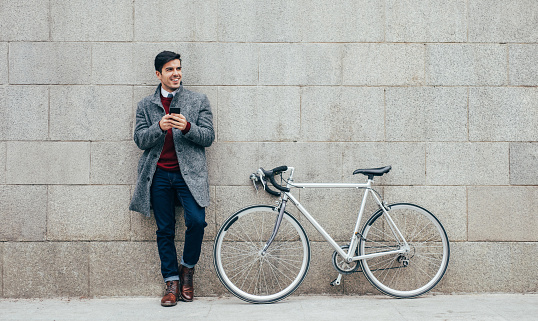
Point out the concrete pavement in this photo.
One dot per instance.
(489, 307)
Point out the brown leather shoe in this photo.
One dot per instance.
(171, 295)
(186, 283)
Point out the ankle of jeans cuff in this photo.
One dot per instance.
(171, 278)
(190, 266)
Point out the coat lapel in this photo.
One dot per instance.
(181, 101)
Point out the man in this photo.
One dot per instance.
(172, 166)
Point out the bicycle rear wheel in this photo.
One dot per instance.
(410, 274)
(246, 272)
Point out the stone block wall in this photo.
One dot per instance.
(444, 91)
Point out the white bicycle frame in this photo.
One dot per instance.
(349, 256)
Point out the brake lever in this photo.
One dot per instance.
(254, 178)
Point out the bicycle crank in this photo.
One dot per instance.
(340, 264)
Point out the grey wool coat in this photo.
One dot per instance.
(190, 148)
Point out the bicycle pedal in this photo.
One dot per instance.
(337, 280)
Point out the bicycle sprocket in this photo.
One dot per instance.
(341, 265)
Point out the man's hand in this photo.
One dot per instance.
(173, 121)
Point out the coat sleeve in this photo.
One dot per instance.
(146, 134)
(202, 132)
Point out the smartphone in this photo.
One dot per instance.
(175, 110)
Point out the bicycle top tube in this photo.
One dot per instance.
(264, 175)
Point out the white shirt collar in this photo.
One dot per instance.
(166, 93)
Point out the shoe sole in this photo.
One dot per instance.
(183, 299)
(169, 304)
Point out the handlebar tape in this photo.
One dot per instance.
(271, 175)
(270, 191)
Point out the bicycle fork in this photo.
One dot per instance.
(277, 226)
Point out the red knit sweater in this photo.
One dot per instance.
(168, 159)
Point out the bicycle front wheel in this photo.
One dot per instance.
(421, 267)
(254, 276)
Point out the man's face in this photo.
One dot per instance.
(170, 76)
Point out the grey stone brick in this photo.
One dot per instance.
(231, 163)
(313, 162)
(426, 21)
(503, 206)
(524, 272)
(254, 21)
(125, 268)
(468, 264)
(2, 269)
(23, 212)
(143, 228)
(447, 203)
(59, 63)
(3, 151)
(211, 64)
(407, 161)
(114, 162)
(79, 20)
(295, 21)
(110, 58)
(88, 213)
(340, 21)
(180, 21)
(205, 278)
(523, 69)
(426, 114)
(336, 210)
(33, 103)
(494, 21)
(467, 164)
(91, 112)
(138, 56)
(48, 163)
(24, 20)
(524, 163)
(47, 269)
(383, 64)
(466, 64)
(489, 267)
(3, 62)
(211, 216)
(3, 112)
(321, 272)
(300, 64)
(259, 113)
(342, 114)
(503, 114)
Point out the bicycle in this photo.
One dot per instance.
(262, 253)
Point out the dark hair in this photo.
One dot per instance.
(163, 58)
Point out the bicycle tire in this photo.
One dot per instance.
(416, 272)
(242, 268)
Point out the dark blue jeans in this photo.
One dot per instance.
(165, 186)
